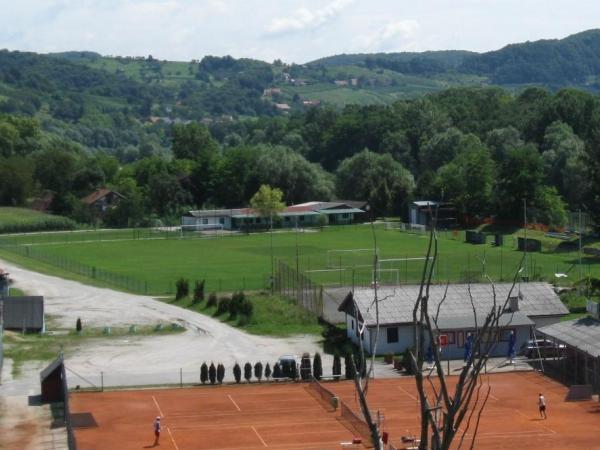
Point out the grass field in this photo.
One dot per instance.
(16, 220)
(155, 261)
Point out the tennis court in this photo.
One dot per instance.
(295, 417)
(278, 416)
(510, 420)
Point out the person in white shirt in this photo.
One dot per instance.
(542, 406)
(156, 430)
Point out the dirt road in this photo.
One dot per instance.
(147, 359)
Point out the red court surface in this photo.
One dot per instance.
(290, 416)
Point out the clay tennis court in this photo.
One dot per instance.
(291, 416)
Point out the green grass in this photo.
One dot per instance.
(272, 316)
(20, 220)
(244, 261)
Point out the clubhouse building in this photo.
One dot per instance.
(530, 306)
(308, 214)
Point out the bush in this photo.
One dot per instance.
(317, 366)
(248, 372)
(212, 300)
(223, 307)
(337, 367)
(182, 288)
(237, 373)
(234, 305)
(294, 371)
(203, 373)
(78, 325)
(305, 367)
(267, 371)
(407, 362)
(198, 292)
(277, 373)
(220, 373)
(258, 371)
(212, 373)
(349, 368)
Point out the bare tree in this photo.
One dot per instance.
(443, 413)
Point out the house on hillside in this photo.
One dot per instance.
(101, 200)
(301, 215)
(419, 213)
(531, 306)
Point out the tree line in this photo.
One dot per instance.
(483, 149)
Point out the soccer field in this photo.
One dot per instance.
(151, 263)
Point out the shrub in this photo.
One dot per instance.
(203, 373)
(305, 367)
(349, 369)
(407, 362)
(248, 372)
(212, 300)
(317, 366)
(258, 371)
(212, 373)
(277, 373)
(337, 367)
(267, 371)
(182, 288)
(246, 308)
(78, 325)
(223, 306)
(198, 292)
(220, 373)
(294, 371)
(237, 373)
(234, 306)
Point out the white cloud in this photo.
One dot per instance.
(304, 18)
(390, 36)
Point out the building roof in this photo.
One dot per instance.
(396, 303)
(583, 334)
(54, 365)
(308, 208)
(23, 313)
(97, 195)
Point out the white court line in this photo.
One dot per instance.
(408, 393)
(158, 407)
(172, 439)
(260, 437)
(233, 401)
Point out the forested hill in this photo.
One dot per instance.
(573, 60)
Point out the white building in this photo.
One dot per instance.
(537, 305)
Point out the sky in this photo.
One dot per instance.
(291, 30)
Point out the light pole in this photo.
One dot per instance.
(271, 237)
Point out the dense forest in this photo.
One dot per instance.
(171, 136)
(485, 149)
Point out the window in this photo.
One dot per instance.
(392, 335)
(460, 339)
(353, 324)
(301, 218)
(204, 221)
(287, 218)
(451, 336)
(345, 216)
(222, 220)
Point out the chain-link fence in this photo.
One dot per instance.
(292, 284)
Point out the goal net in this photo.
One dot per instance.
(201, 229)
(347, 258)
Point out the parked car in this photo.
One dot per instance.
(286, 362)
(544, 348)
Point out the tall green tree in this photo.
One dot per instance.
(268, 202)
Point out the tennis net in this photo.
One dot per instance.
(325, 394)
(355, 422)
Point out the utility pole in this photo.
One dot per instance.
(525, 237)
(580, 234)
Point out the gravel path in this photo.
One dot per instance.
(139, 360)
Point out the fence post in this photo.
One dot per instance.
(102, 381)
(180, 377)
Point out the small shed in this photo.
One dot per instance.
(53, 381)
(581, 362)
(419, 213)
(23, 313)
